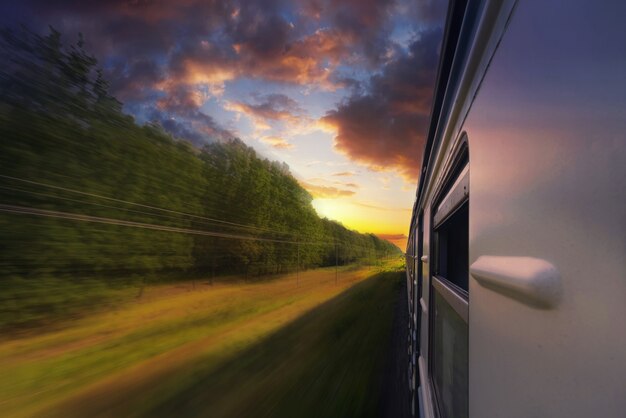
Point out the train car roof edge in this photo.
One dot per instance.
(454, 22)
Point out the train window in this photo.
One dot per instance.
(449, 294)
(452, 254)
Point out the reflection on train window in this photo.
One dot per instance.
(450, 298)
(450, 355)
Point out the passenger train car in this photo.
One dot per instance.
(516, 262)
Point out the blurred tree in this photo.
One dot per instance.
(67, 147)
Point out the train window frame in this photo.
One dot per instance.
(410, 257)
(450, 209)
(418, 312)
(419, 274)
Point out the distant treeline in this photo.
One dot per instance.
(88, 194)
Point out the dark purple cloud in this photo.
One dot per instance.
(179, 113)
(275, 107)
(162, 58)
(360, 24)
(192, 125)
(281, 41)
(386, 126)
(135, 80)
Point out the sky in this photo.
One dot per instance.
(339, 90)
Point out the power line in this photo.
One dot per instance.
(156, 227)
(139, 204)
(119, 222)
(84, 202)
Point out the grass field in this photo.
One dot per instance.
(271, 348)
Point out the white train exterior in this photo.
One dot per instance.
(516, 262)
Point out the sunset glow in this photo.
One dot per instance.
(340, 91)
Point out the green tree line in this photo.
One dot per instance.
(89, 195)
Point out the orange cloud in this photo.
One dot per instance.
(326, 191)
(382, 208)
(352, 185)
(344, 174)
(399, 240)
(303, 62)
(274, 108)
(277, 142)
(325, 42)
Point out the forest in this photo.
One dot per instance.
(90, 200)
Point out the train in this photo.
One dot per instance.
(516, 254)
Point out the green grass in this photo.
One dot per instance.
(145, 355)
(325, 364)
(32, 303)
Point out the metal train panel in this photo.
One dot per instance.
(538, 89)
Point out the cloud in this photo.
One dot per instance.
(351, 185)
(361, 24)
(344, 174)
(277, 142)
(202, 61)
(430, 12)
(341, 184)
(181, 99)
(178, 112)
(259, 42)
(381, 208)
(135, 80)
(385, 128)
(271, 107)
(212, 42)
(392, 236)
(319, 191)
(167, 58)
(397, 239)
(193, 125)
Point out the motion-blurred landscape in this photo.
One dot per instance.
(92, 202)
(143, 275)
